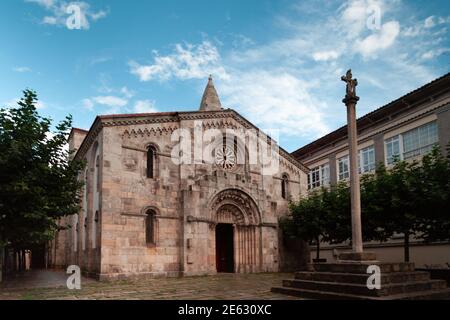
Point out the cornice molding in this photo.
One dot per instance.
(176, 117)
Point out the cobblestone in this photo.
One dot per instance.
(217, 287)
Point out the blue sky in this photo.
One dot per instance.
(278, 63)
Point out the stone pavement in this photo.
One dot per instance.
(46, 284)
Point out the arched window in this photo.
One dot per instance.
(97, 171)
(150, 228)
(284, 186)
(151, 161)
(75, 237)
(85, 191)
(85, 233)
(94, 230)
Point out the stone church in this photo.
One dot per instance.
(146, 213)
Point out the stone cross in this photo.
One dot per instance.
(351, 86)
(350, 101)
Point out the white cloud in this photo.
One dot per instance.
(354, 17)
(60, 11)
(326, 55)
(44, 3)
(127, 93)
(113, 103)
(429, 22)
(277, 84)
(22, 69)
(275, 101)
(88, 104)
(413, 31)
(51, 20)
(13, 103)
(145, 106)
(98, 15)
(186, 62)
(381, 40)
(422, 28)
(40, 105)
(110, 97)
(435, 53)
(110, 101)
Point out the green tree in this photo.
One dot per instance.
(376, 205)
(39, 182)
(411, 198)
(434, 202)
(306, 220)
(337, 215)
(390, 202)
(323, 216)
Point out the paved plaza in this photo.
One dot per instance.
(42, 285)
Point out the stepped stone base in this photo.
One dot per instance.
(357, 256)
(347, 280)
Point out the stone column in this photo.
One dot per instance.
(350, 101)
(354, 175)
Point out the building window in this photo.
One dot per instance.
(150, 227)
(94, 230)
(392, 146)
(419, 141)
(367, 159)
(343, 168)
(151, 160)
(85, 206)
(284, 186)
(412, 143)
(85, 191)
(97, 172)
(75, 236)
(319, 177)
(85, 233)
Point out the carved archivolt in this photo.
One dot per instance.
(234, 206)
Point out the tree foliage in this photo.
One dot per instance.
(410, 198)
(39, 182)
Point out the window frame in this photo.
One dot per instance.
(371, 165)
(317, 177)
(285, 186)
(95, 222)
(150, 224)
(343, 178)
(151, 162)
(422, 149)
(388, 141)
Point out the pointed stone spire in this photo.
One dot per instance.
(210, 99)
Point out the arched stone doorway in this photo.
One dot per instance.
(237, 232)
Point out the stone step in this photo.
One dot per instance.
(361, 289)
(322, 295)
(361, 267)
(386, 278)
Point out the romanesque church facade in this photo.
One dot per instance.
(144, 212)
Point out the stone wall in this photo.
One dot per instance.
(188, 200)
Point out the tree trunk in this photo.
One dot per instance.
(15, 262)
(5, 261)
(406, 246)
(318, 249)
(19, 257)
(1, 262)
(24, 260)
